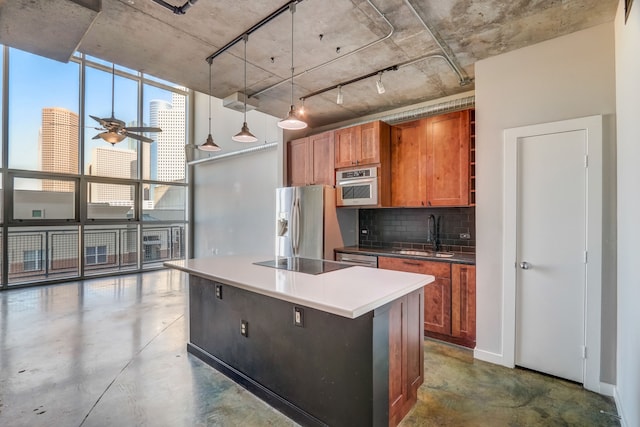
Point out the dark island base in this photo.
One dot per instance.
(330, 371)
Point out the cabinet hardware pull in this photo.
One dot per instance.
(411, 263)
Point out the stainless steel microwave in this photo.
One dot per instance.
(357, 187)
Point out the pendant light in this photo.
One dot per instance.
(209, 145)
(245, 135)
(292, 121)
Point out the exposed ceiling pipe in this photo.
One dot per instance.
(448, 54)
(383, 70)
(264, 21)
(317, 67)
(178, 10)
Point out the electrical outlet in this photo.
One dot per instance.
(244, 328)
(465, 235)
(219, 291)
(364, 231)
(298, 316)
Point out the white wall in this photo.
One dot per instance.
(628, 105)
(234, 198)
(567, 77)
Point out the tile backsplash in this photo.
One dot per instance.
(408, 228)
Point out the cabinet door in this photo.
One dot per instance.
(448, 159)
(463, 301)
(437, 294)
(298, 165)
(322, 159)
(346, 141)
(408, 160)
(368, 150)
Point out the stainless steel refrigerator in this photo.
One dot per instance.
(308, 224)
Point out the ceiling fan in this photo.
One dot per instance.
(115, 130)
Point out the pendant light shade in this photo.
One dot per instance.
(292, 121)
(209, 145)
(245, 134)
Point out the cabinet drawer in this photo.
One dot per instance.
(434, 268)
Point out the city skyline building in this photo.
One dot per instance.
(58, 146)
(115, 163)
(168, 155)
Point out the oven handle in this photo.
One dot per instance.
(356, 181)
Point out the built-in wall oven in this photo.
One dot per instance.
(357, 187)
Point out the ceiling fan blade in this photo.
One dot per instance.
(97, 119)
(138, 137)
(97, 136)
(143, 129)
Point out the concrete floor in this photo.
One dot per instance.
(112, 352)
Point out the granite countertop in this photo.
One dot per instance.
(348, 292)
(458, 257)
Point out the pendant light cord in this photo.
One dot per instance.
(210, 97)
(293, 10)
(246, 37)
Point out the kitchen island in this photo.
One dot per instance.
(341, 348)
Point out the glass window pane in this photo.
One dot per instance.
(163, 202)
(39, 199)
(165, 160)
(110, 201)
(110, 249)
(102, 158)
(162, 243)
(42, 253)
(43, 113)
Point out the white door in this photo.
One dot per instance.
(551, 221)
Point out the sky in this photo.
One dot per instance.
(36, 82)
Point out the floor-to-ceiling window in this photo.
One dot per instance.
(74, 205)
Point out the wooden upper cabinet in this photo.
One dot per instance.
(430, 164)
(448, 159)
(463, 302)
(298, 162)
(408, 163)
(310, 160)
(361, 145)
(322, 158)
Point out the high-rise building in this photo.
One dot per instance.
(58, 146)
(116, 163)
(169, 151)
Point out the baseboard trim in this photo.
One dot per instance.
(487, 356)
(607, 389)
(618, 400)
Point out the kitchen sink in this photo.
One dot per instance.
(424, 253)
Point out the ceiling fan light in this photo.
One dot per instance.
(209, 145)
(244, 135)
(292, 121)
(112, 137)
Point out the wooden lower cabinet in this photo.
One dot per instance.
(406, 358)
(449, 301)
(463, 302)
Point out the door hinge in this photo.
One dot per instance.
(584, 352)
(586, 161)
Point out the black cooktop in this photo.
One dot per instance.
(303, 265)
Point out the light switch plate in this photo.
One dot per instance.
(298, 316)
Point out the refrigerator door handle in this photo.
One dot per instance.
(295, 227)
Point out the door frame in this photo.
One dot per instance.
(593, 126)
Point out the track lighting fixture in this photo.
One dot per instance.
(209, 145)
(245, 135)
(340, 98)
(292, 121)
(379, 84)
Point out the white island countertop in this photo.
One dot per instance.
(348, 292)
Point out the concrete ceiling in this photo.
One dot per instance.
(335, 41)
